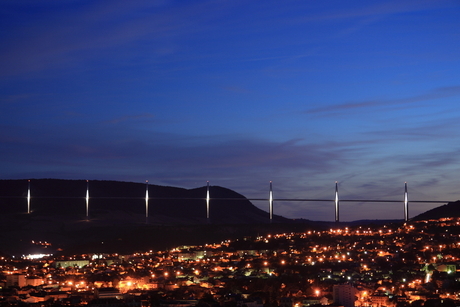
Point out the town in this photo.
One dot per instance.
(410, 263)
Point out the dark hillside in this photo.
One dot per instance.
(67, 197)
(117, 218)
(449, 210)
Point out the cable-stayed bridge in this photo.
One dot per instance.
(208, 199)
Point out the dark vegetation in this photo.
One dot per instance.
(449, 210)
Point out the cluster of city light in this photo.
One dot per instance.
(35, 256)
(363, 247)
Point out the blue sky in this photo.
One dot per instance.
(240, 93)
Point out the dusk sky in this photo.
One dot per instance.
(240, 93)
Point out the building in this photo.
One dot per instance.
(16, 280)
(107, 293)
(71, 263)
(380, 300)
(344, 295)
(34, 281)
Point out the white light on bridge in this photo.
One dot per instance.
(270, 202)
(406, 203)
(146, 199)
(87, 199)
(28, 197)
(336, 202)
(207, 201)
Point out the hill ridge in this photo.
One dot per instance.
(67, 197)
(451, 209)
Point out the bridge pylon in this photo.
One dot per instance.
(336, 202)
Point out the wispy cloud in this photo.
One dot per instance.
(16, 98)
(431, 161)
(130, 118)
(373, 10)
(236, 89)
(438, 93)
(116, 148)
(68, 37)
(424, 131)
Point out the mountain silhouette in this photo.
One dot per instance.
(117, 219)
(166, 205)
(451, 209)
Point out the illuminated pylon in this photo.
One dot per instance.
(28, 197)
(207, 202)
(336, 202)
(270, 202)
(146, 200)
(406, 203)
(87, 199)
